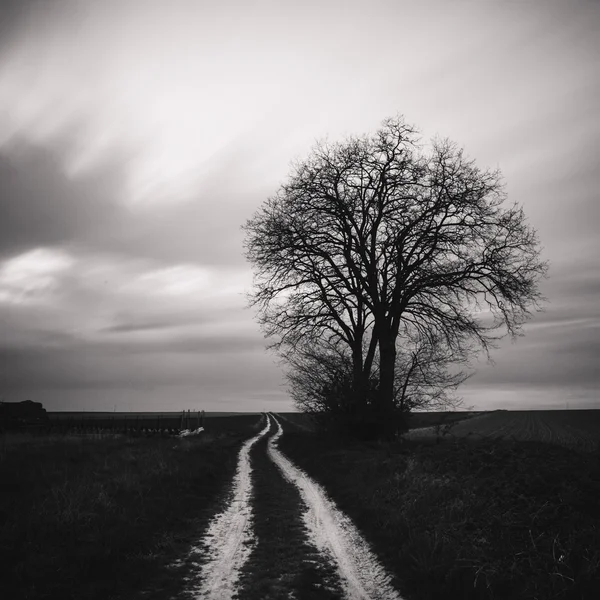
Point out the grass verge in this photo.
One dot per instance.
(106, 516)
(480, 520)
(283, 564)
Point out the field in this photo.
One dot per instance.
(578, 429)
(155, 422)
(430, 419)
(416, 420)
(473, 517)
(104, 515)
(480, 506)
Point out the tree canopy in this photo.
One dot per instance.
(377, 242)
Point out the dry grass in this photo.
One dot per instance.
(86, 517)
(482, 520)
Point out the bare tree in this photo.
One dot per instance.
(321, 379)
(321, 384)
(377, 239)
(428, 372)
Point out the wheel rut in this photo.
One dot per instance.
(281, 537)
(361, 575)
(284, 563)
(227, 544)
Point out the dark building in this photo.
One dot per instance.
(18, 415)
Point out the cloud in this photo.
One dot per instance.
(129, 327)
(117, 366)
(136, 138)
(557, 353)
(90, 293)
(27, 277)
(17, 15)
(88, 321)
(42, 206)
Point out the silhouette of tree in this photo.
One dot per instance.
(320, 378)
(376, 240)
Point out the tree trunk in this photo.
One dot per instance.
(387, 372)
(358, 383)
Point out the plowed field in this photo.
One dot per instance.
(578, 429)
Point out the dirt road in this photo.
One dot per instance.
(282, 537)
(227, 543)
(361, 575)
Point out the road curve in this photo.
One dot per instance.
(361, 574)
(228, 541)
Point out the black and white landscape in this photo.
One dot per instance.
(299, 299)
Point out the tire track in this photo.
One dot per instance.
(227, 543)
(333, 533)
(284, 564)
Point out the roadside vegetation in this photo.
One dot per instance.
(482, 519)
(104, 516)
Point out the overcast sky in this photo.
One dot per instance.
(137, 136)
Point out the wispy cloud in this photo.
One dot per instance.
(136, 136)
